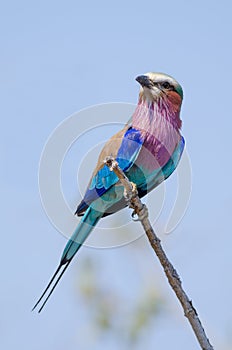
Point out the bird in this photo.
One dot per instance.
(148, 150)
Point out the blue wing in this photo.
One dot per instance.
(104, 179)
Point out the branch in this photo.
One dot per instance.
(131, 195)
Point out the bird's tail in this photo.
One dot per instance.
(78, 237)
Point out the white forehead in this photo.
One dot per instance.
(160, 77)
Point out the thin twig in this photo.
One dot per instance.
(141, 211)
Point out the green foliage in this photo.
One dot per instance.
(146, 310)
(111, 311)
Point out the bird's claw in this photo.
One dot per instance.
(111, 162)
(134, 216)
(141, 215)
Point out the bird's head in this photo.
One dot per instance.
(155, 86)
(160, 95)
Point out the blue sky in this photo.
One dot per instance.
(59, 57)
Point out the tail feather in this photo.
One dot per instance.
(48, 286)
(56, 274)
(89, 220)
(82, 231)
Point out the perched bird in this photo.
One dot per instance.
(147, 149)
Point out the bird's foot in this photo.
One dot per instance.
(111, 163)
(134, 189)
(141, 215)
(128, 195)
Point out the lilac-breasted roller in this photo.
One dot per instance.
(147, 149)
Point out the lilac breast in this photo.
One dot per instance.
(154, 154)
(160, 132)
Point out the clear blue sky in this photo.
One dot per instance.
(58, 57)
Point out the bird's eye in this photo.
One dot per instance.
(166, 85)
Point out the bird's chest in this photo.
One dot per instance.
(155, 152)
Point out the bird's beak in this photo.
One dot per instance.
(144, 81)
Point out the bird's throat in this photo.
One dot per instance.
(160, 124)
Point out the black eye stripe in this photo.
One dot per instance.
(163, 85)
